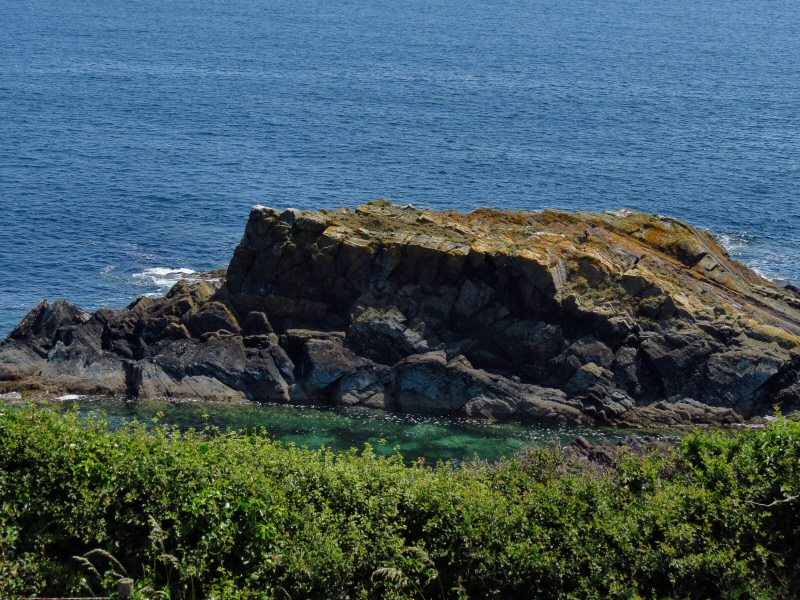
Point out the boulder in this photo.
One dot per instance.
(366, 385)
(590, 350)
(587, 376)
(208, 317)
(153, 382)
(325, 361)
(40, 327)
(256, 323)
(382, 336)
(430, 383)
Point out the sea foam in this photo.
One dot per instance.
(162, 277)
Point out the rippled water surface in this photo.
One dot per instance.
(434, 438)
(134, 136)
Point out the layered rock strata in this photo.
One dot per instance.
(596, 319)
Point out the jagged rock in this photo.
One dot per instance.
(430, 383)
(40, 327)
(84, 369)
(680, 412)
(590, 350)
(597, 453)
(367, 384)
(151, 381)
(18, 362)
(620, 319)
(256, 323)
(210, 316)
(794, 290)
(742, 372)
(326, 361)
(679, 358)
(383, 337)
(472, 298)
(586, 377)
(634, 374)
(547, 405)
(423, 383)
(529, 345)
(58, 346)
(635, 283)
(258, 374)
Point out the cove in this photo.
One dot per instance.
(433, 438)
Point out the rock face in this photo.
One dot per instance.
(612, 319)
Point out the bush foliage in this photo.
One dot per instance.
(225, 515)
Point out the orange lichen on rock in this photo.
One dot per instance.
(646, 254)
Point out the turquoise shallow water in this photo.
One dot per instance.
(135, 135)
(432, 437)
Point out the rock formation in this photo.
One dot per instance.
(618, 319)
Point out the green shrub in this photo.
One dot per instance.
(224, 515)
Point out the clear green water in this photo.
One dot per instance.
(432, 437)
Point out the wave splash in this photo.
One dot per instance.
(162, 278)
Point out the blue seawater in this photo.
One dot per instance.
(135, 135)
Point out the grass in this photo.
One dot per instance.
(207, 514)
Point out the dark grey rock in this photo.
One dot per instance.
(383, 337)
(211, 316)
(256, 323)
(590, 350)
(472, 298)
(586, 377)
(366, 385)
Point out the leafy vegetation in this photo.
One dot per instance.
(224, 515)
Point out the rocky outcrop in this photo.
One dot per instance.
(612, 319)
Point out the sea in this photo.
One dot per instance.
(136, 135)
(428, 437)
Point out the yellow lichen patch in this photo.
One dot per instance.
(537, 255)
(593, 253)
(765, 332)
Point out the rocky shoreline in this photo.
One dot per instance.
(592, 319)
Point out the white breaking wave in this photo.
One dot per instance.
(734, 243)
(163, 277)
(769, 265)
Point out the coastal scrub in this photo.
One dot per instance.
(208, 514)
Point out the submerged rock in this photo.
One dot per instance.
(620, 319)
